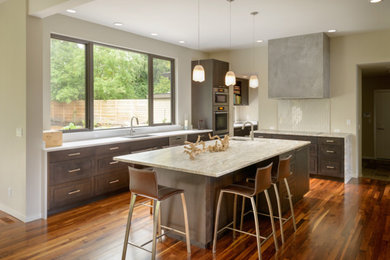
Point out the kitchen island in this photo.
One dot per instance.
(202, 178)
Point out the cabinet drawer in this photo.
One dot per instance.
(330, 151)
(110, 182)
(331, 168)
(330, 140)
(177, 140)
(113, 148)
(107, 164)
(66, 194)
(71, 154)
(147, 144)
(70, 170)
(203, 137)
(313, 164)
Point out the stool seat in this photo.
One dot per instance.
(242, 190)
(165, 192)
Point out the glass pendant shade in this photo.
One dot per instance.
(198, 73)
(253, 81)
(230, 78)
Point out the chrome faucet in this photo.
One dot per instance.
(132, 131)
(251, 134)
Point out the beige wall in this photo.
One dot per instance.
(13, 98)
(369, 85)
(346, 53)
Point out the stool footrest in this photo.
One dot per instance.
(263, 214)
(172, 229)
(244, 232)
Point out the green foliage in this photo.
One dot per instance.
(71, 126)
(118, 74)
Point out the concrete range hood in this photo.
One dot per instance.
(298, 67)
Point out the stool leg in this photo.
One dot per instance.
(234, 215)
(291, 204)
(151, 208)
(188, 241)
(280, 211)
(257, 201)
(156, 211)
(159, 224)
(256, 226)
(272, 219)
(242, 212)
(132, 202)
(216, 222)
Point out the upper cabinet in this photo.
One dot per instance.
(241, 92)
(298, 67)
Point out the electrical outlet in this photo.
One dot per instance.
(348, 122)
(10, 192)
(19, 132)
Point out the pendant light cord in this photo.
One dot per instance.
(230, 29)
(253, 44)
(198, 28)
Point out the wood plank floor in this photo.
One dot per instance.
(334, 220)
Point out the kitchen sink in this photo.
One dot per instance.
(136, 136)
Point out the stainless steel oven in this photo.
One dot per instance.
(220, 96)
(221, 120)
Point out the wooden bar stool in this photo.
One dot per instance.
(144, 183)
(282, 175)
(261, 184)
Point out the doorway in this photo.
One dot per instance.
(375, 121)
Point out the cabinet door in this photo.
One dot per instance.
(111, 182)
(219, 71)
(61, 172)
(69, 193)
(203, 137)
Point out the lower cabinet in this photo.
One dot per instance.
(110, 182)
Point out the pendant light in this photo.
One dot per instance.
(198, 73)
(253, 79)
(230, 77)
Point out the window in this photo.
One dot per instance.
(95, 86)
(68, 84)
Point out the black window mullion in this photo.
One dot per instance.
(173, 93)
(150, 89)
(89, 86)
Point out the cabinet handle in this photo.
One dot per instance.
(74, 170)
(73, 154)
(114, 148)
(330, 141)
(330, 167)
(114, 162)
(73, 192)
(329, 151)
(112, 182)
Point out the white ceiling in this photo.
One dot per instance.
(176, 20)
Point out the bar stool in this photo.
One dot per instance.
(282, 174)
(262, 183)
(144, 183)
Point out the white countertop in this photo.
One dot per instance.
(240, 154)
(121, 139)
(267, 131)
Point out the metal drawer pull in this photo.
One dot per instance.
(114, 148)
(73, 154)
(73, 192)
(330, 141)
(112, 182)
(330, 167)
(74, 170)
(114, 162)
(329, 151)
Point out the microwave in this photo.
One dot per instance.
(220, 96)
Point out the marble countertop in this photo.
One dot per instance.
(241, 153)
(121, 139)
(267, 131)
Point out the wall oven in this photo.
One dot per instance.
(221, 96)
(221, 120)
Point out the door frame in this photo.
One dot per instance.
(374, 125)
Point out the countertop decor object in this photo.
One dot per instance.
(193, 149)
(52, 138)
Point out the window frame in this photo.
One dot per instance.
(89, 86)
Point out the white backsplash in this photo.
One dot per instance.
(304, 115)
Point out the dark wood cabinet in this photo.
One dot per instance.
(203, 137)
(326, 154)
(238, 131)
(111, 182)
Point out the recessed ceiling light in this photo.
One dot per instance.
(118, 24)
(331, 30)
(71, 11)
(154, 34)
(375, 1)
(259, 41)
(182, 42)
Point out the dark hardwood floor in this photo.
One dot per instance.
(334, 221)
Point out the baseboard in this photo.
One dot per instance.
(12, 212)
(18, 215)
